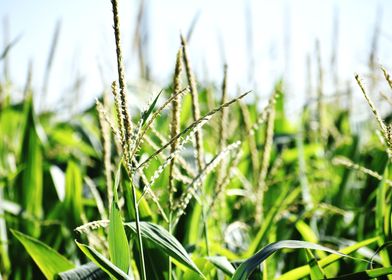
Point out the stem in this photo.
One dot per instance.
(170, 231)
(204, 216)
(138, 233)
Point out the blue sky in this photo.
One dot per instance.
(86, 40)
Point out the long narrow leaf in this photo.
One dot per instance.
(73, 193)
(118, 243)
(30, 186)
(223, 264)
(103, 262)
(303, 271)
(86, 271)
(48, 260)
(147, 113)
(247, 267)
(161, 238)
(366, 274)
(316, 272)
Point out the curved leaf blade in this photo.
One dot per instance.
(161, 238)
(316, 272)
(302, 271)
(366, 274)
(223, 264)
(247, 267)
(103, 262)
(48, 260)
(87, 271)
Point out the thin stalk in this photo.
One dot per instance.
(5, 260)
(251, 139)
(223, 124)
(174, 130)
(195, 104)
(6, 39)
(106, 150)
(265, 161)
(50, 60)
(205, 223)
(138, 233)
(340, 160)
(27, 87)
(121, 77)
(387, 77)
(385, 130)
(320, 95)
(309, 86)
(171, 232)
(125, 116)
(334, 56)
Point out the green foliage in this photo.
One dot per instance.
(326, 193)
(163, 240)
(103, 262)
(48, 260)
(246, 268)
(118, 243)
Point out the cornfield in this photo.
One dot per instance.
(197, 185)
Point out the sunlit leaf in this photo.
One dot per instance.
(161, 238)
(248, 266)
(48, 260)
(103, 262)
(118, 243)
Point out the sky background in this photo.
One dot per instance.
(283, 34)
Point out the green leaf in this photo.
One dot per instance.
(102, 262)
(366, 274)
(282, 201)
(73, 193)
(64, 137)
(206, 267)
(316, 272)
(306, 232)
(383, 217)
(30, 186)
(247, 267)
(58, 179)
(302, 271)
(161, 238)
(86, 271)
(223, 264)
(118, 243)
(148, 112)
(48, 260)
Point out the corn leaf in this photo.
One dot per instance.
(103, 262)
(118, 243)
(316, 272)
(366, 274)
(223, 264)
(247, 267)
(148, 112)
(161, 238)
(73, 193)
(30, 179)
(302, 271)
(86, 271)
(48, 260)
